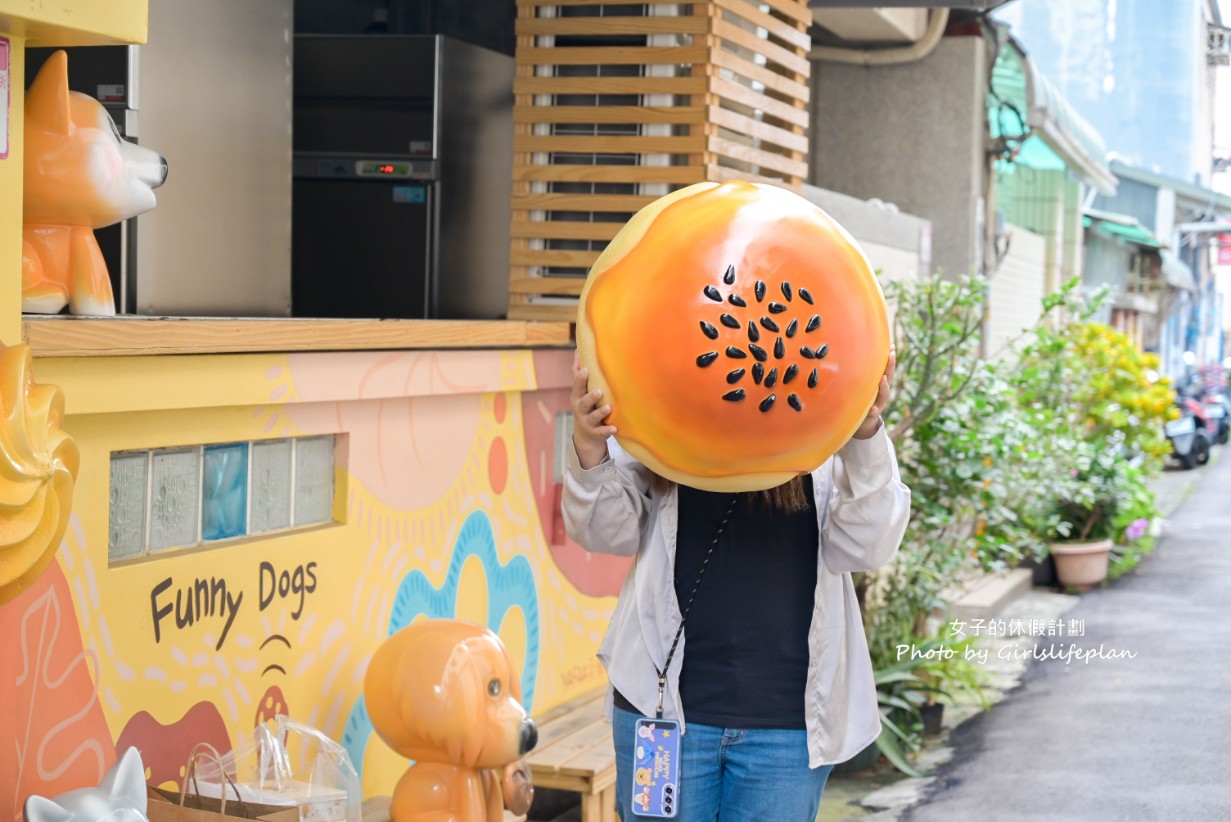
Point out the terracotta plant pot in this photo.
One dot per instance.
(1081, 565)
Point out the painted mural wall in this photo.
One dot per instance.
(446, 503)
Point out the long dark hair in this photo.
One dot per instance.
(786, 498)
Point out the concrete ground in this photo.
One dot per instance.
(1139, 737)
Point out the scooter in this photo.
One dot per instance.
(1218, 410)
(1191, 435)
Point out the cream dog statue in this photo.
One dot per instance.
(79, 175)
(120, 797)
(444, 693)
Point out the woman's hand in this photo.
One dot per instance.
(872, 422)
(589, 433)
(517, 785)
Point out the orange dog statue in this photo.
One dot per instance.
(79, 175)
(444, 693)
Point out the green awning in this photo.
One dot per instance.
(1024, 107)
(1126, 229)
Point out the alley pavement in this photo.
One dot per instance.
(1140, 728)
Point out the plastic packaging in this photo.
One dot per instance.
(292, 764)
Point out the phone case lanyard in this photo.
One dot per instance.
(662, 675)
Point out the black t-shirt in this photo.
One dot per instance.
(746, 663)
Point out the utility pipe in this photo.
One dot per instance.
(937, 20)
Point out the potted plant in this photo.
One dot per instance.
(911, 690)
(947, 672)
(1085, 513)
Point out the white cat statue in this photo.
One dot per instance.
(120, 797)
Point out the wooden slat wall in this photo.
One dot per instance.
(736, 108)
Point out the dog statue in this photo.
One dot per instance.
(444, 693)
(79, 175)
(120, 797)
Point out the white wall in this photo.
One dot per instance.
(1015, 291)
(215, 100)
(912, 135)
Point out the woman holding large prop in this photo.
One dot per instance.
(734, 357)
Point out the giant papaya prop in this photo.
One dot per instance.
(738, 333)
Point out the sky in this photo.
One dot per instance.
(1086, 60)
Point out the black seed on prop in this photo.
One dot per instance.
(734, 396)
(794, 402)
(786, 290)
(760, 290)
(789, 374)
(709, 330)
(807, 352)
(769, 325)
(806, 296)
(712, 293)
(792, 328)
(814, 323)
(812, 379)
(729, 321)
(758, 371)
(729, 277)
(706, 359)
(736, 299)
(754, 333)
(779, 349)
(735, 376)
(822, 351)
(736, 353)
(771, 378)
(767, 403)
(758, 352)
(776, 308)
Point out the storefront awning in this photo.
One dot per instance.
(1023, 104)
(1120, 226)
(1177, 273)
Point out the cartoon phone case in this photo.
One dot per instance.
(656, 768)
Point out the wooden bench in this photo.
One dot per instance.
(376, 809)
(575, 753)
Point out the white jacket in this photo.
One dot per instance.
(862, 509)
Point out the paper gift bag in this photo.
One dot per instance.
(188, 805)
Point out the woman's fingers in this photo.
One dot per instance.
(581, 382)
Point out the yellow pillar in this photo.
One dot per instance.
(10, 186)
(37, 23)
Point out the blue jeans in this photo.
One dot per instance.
(731, 774)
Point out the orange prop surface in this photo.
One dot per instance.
(444, 693)
(79, 175)
(38, 469)
(738, 333)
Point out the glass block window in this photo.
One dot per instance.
(174, 492)
(169, 499)
(314, 486)
(129, 489)
(224, 491)
(271, 485)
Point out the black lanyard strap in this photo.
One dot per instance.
(662, 675)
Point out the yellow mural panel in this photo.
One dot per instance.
(444, 502)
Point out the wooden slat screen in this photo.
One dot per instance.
(618, 103)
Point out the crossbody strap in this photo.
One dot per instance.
(662, 675)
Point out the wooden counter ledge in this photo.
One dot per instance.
(64, 336)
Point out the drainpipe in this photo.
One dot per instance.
(937, 20)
